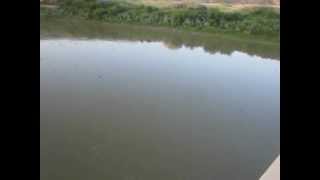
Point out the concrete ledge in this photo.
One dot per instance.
(273, 172)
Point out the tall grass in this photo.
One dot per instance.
(258, 21)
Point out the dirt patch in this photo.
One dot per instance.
(234, 7)
(48, 6)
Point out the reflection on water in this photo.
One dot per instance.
(129, 110)
(171, 38)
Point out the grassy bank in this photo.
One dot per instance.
(225, 5)
(260, 21)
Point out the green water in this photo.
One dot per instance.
(213, 43)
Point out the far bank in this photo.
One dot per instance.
(259, 21)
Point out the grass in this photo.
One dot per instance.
(261, 21)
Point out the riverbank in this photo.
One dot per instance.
(229, 5)
(261, 21)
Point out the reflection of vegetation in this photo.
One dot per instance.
(212, 43)
(258, 21)
(171, 45)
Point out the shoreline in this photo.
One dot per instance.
(261, 39)
(260, 22)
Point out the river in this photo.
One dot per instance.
(155, 104)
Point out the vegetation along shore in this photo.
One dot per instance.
(257, 21)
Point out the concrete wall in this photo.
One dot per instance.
(273, 172)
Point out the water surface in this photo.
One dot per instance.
(125, 109)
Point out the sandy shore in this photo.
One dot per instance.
(273, 172)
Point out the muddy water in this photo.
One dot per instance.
(130, 110)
